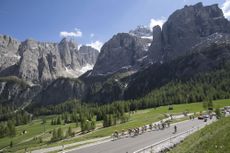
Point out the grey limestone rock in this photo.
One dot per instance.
(185, 28)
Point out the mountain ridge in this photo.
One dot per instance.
(130, 66)
(47, 60)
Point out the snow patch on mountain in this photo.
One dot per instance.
(86, 68)
(69, 72)
(12, 55)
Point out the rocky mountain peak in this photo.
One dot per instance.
(156, 33)
(123, 51)
(42, 62)
(185, 28)
(7, 41)
(89, 54)
(69, 42)
(8, 52)
(141, 31)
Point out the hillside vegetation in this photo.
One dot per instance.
(214, 138)
(43, 131)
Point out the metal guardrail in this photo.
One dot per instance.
(151, 147)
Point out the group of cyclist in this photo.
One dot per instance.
(140, 130)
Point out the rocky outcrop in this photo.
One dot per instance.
(16, 91)
(61, 90)
(89, 55)
(40, 62)
(142, 31)
(8, 52)
(156, 48)
(123, 52)
(185, 28)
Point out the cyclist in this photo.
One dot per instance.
(175, 129)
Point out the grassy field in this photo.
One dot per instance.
(147, 116)
(214, 138)
(139, 118)
(34, 129)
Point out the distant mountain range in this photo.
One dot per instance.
(194, 40)
(43, 62)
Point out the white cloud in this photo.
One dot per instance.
(226, 8)
(76, 33)
(97, 45)
(154, 22)
(92, 35)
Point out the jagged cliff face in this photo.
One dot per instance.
(14, 91)
(89, 55)
(8, 52)
(61, 90)
(184, 29)
(124, 52)
(40, 63)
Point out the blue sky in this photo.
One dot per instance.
(87, 20)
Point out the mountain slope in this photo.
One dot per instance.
(104, 89)
(209, 58)
(14, 91)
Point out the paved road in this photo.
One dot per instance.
(131, 144)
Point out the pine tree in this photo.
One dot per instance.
(58, 120)
(54, 135)
(87, 126)
(60, 134)
(76, 123)
(11, 128)
(205, 104)
(70, 132)
(218, 113)
(43, 120)
(11, 144)
(105, 121)
(83, 125)
(52, 122)
(93, 125)
(40, 140)
(210, 104)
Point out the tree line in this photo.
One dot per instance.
(214, 85)
(7, 129)
(8, 123)
(211, 86)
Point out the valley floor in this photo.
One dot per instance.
(138, 119)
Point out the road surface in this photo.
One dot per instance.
(131, 144)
